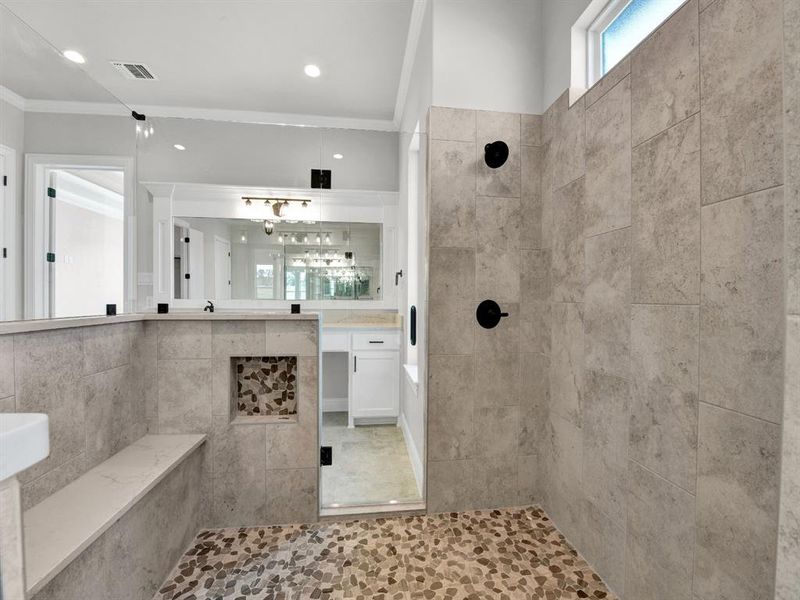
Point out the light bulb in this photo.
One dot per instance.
(147, 133)
(318, 238)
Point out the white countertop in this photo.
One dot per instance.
(9, 327)
(378, 321)
(63, 525)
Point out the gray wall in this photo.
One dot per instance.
(557, 20)
(90, 383)
(661, 449)
(256, 474)
(788, 571)
(483, 235)
(649, 314)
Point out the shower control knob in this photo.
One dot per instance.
(489, 314)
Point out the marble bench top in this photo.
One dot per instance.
(62, 526)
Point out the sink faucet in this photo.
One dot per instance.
(209, 307)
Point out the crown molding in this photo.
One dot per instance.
(187, 112)
(410, 55)
(12, 98)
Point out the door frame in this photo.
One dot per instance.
(8, 302)
(222, 240)
(36, 228)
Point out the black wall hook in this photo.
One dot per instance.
(495, 154)
(489, 314)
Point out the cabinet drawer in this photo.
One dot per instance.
(335, 342)
(376, 341)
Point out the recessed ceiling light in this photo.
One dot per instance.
(338, 156)
(74, 56)
(179, 147)
(312, 71)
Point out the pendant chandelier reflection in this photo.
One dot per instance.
(278, 205)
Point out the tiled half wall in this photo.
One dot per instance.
(637, 241)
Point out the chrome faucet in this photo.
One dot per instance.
(209, 307)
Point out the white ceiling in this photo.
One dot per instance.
(229, 55)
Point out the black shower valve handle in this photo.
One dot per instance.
(489, 314)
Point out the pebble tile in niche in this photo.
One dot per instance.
(509, 554)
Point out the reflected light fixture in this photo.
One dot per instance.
(243, 238)
(338, 156)
(269, 227)
(179, 147)
(74, 56)
(280, 238)
(312, 71)
(248, 202)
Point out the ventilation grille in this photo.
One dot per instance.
(134, 70)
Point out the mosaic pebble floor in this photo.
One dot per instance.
(507, 554)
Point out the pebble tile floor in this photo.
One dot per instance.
(507, 554)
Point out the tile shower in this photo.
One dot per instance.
(639, 240)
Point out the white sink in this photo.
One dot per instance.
(24, 441)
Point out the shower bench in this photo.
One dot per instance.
(127, 505)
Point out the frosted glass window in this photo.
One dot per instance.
(634, 23)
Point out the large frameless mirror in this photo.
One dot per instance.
(244, 259)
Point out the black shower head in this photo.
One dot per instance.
(496, 154)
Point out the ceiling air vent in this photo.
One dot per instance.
(134, 70)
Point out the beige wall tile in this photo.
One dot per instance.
(497, 371)
(106, 347)
(791, 148)
(496, 431)
(567, 257)
(452, 194)
(605, 412)
(741, 81)
(664, 367)
(666, 217)
(659, 538)
(505, 180)
(607, 310)
(621, 70)
(665, 75)
(449, 485)
(531, 130)
(239, 493)
(603, 545)
(531, 218)
(566, 361)
(453, 124)
(451, 398)
(737, 505)
(292, 337)
(452, 327)
(452, 274)
(184, 396)
(240, 338)
(608, 161)
(492, 482)
(291, 496)
(184, 339)
(533, 403)
(741, 315)
(497, 270)
(787, 582)
(6, 366)
(564, 133)
(561, 478)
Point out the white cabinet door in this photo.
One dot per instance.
(376, 384)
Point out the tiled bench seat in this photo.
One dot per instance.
(112, 532)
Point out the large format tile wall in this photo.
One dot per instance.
(664, 202)
(637, 389)
(788, 569)
(89, 381)
(258, 473)
(485, 242)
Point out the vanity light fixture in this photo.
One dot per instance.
(312, 71)
(74, 56)
(269, 227)
(338, 156)
(243, 238)
(318, 238)
(327, 238)
(248, 202)
(180, 147)
(280, 238)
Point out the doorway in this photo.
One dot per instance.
(78, 243)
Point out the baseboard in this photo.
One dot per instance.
(413, 453)
(334, 405)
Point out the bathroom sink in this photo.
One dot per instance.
(24, 441)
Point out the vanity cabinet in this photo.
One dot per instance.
(376, 384)
(374, 370)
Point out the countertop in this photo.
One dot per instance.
(10, 327)
(378, 321)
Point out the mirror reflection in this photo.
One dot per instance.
(253, 259)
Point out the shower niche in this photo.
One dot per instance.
(264, 389)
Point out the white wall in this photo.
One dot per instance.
(558, 17)
(487, 55)
(12, 134)
(246, 154)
